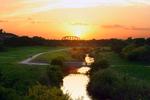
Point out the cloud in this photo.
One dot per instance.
(117, 26)
(80, 24)
(32, 21)
(24, 7)
(114, 26)
(141, 28)
(3, 21)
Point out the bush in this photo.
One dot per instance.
(126, 50)
(139, 41)
(79, 53)
(55, 75)
(58, 61)
(102, 84)
(141, 53)
(9, 94)
(41, 92)
(108, 84)
(117, 45)
(99, 65)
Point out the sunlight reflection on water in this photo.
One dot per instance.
(75, 84)
(89, 60)
(83, 70)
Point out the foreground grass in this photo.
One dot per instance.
(17, 76)
(133, 69)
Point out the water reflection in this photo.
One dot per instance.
(89, 60)
(83, 70)
(75, 85)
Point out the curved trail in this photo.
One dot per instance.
(28, 60)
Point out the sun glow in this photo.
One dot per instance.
(78, 30)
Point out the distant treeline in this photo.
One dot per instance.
(10, 39)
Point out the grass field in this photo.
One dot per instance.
(134, 69)
(18, 76)
(47, 57)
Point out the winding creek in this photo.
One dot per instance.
(75, 84)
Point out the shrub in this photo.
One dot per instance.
(139, 41)
(117, 45)
(108, 84)
(41, 92)
(58, 61)
(141, 53)
(79, 53)
(98, 65)
(102, 84)
(9, 94)
(55, 75)
(126, 50)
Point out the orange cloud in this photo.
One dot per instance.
(116, 26)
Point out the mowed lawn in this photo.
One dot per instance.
(133, 69)
(18, 76)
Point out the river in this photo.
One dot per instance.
(75, 84)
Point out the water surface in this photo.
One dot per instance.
(75, 84)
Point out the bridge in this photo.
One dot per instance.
(70, 38)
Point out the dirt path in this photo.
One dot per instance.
(28, 60)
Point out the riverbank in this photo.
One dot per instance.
(18, 78)
(25, 76)
(114, 78)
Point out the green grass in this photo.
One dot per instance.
(133, 69)
(18, 76)
(13, 55)
(47, 57)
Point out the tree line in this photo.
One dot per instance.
(10, 39)
(137, 49)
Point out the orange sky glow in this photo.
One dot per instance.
(88, 19)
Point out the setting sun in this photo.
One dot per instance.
(87, 19)
(79, 31)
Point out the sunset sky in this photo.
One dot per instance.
(87, 19)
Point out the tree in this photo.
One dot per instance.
(139, 41)
(55, 75)
(129, 40)
(58, 61)
(126, 50)
(99, 65)
(148, 41)
(110, 85)
(1, 31)
(117, 45)
(140, 53)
